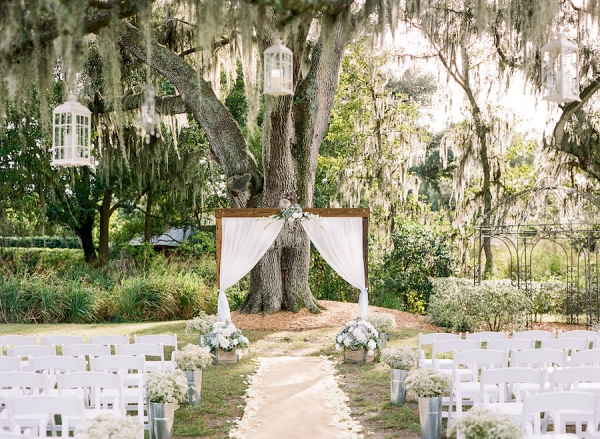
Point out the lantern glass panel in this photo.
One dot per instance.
(569, 82)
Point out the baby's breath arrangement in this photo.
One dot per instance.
(426, 383)
(167, 387)
(193, 357)
(382, 321)
(358, 334)
(484, 423)
(403, 357)
(109, 426)
(292, 214)
(202, 323)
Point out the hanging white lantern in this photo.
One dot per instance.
(560, 70)
(278, 70)
(71, 138)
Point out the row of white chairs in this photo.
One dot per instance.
(10, 340)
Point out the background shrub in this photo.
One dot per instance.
(458, 305)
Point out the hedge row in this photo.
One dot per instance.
(40, 241)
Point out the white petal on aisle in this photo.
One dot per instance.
(295, 397)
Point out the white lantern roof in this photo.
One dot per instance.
(278, 47)
(559, 43)
(71, 134)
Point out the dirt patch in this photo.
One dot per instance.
(335, 315)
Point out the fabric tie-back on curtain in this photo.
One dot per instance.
(340, 242)
(243, 242)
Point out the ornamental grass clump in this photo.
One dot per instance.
(426, 383)
(201, 324)
(109, 426)
(193, 357)
(383, 322)
(358, 334)
(226, 336)
(167, 387)
(403, 357)
(484, 423)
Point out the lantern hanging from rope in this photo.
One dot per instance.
(278, 70)
(560, 70)
(71, 137)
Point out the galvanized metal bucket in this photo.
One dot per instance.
(383, 340)
(194, 378)
(430, 414)
(397, 390)
(160, 419)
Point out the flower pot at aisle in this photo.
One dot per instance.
(358, 356)
(160, 419)
(194, 395)
(225, 357)
(397, 390)
(430, 416)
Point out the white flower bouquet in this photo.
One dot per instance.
(193, 357)
(167, 386)
(358, 334)
(109, 426)
(484, 423)
(403, 357)
(202, 323)
(426, 383)
(292, 214)
(226, 336)
(383, 322)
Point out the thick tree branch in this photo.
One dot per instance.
(224, 134)
(570, 109)
(329, 7)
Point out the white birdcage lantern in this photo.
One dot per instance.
(71, 138)
(278, 70)
(560, 70)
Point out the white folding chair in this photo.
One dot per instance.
(102, 392)
(506, 386)
(570, 345)
(12, 364)
(510, 344)
(133, 370)
(486, 336)
(57, 340)
(428, 339)
(53, 366)
(38, 411)
(580, 333)
(20, 384)
(578, 379)
(536, 335)
(562, 407)
(86, 351)
(7, 341)
(109, 340)
(544, 359)
(147, 351)
(590, 357)
(465, 392)
(169, 343)
(5, 434)
(446, 346)
(27, 351)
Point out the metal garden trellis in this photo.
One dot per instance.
(565, 216)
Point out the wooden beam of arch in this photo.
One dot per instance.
(265, 212)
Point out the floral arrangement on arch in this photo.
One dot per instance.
(291, 213)
(226, 336)
(193, 357)
(427, 383)
(167, 386)
(403, 357)
(383, 322)
(109, 426)
(482, 422)
(358, 334)
(202, 323)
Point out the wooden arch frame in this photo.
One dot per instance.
(266, 212)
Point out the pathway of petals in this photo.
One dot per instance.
(295, 397)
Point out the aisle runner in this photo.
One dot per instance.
(295, 397)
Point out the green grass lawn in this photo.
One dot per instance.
(224, 386)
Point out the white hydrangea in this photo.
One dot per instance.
(225, 335)
(358, 334)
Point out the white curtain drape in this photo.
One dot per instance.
(340, 242)
(244, 242)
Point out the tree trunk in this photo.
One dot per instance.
(147, 216)
(105, 214)
(84, 232)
